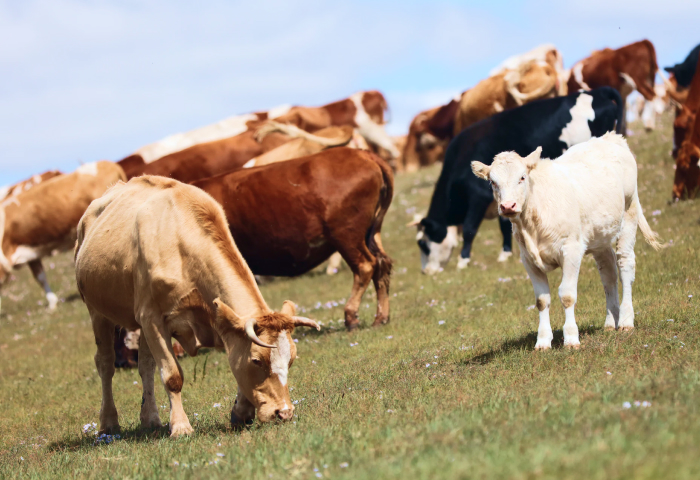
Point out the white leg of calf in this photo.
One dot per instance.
(334, 263)
(504, 256)
(463, 263)
(543, 299)
(608, 276)
(626, 264)
(52, 300)
(573, 254)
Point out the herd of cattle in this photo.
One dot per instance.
(169, 239)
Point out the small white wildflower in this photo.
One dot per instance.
(608, 373)
(441, 322)
(176, 463)
(219, 454)
(216, 405)
(646, 404)
(637, 403)
(427, 365)
(296, 340)
(656, 212)
(344, 465)
(669, 320)
(390, 411)
(531, 307)
(136, 383)
(626, 405)
(389, 337)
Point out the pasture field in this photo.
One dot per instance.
(451, 388)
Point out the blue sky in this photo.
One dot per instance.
(87, 80)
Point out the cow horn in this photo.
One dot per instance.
(305, 322)
(666, 81)
(250, 331)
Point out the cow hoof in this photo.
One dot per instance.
(151, 423)
(626, 329)
(573, 346)
(539, 347)
(53, 300)
(110, 430)
(504, 256)
(181, 429)
(380, 321)
(463, 263)
(352, 326)
(609, 329)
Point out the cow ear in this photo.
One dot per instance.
(225, 319)
(289, 308)
(531, 160)
(481, 170)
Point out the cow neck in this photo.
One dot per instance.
(439, 202)
(238, 289)
(525, 226)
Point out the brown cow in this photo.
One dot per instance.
(686, 131)
(44, 218)
(24, 185)
(157, 254)
(289, 217)
(629, 68)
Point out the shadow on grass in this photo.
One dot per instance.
(72, 297)
(136, 435)
(526, 342)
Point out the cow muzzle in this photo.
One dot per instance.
(508, 209)
(285, 414)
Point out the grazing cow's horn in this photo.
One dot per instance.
(305, 322)
(250, 330)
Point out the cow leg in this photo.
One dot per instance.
(626, 265)
(243, 412)
(147, 367)
(381, 279)
(159, 343)
(568, 292)
(334, 263)
(507, 232)
(104, 361)
(608, 276)
(543, 299)
(475, 214)
(40, 275)
(362, 265)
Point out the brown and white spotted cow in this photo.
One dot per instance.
(44, 218)
(156, 254)
(24, 185)
(629, 68)
(686, 143)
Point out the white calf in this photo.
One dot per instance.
(581, 203)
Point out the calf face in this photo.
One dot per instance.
(509, 179)
(260, 352)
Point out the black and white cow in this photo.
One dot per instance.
(683, 72)
(460, 198)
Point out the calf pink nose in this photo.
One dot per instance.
(285, 414)
(508, 207)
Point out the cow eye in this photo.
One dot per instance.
(522, 179)
(258, 362)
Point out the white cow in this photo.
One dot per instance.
(581, 203)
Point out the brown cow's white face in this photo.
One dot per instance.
(509, 179)
(261, 372)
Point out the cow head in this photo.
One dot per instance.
(509, 176)
(436, 242)
(686, 182)
(260, 352)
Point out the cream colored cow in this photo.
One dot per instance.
(561, 210)
(157, 254)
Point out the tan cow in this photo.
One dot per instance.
(303, 143)
(44, 218)
(24, 185)
(547, 53)
(532, 81)
(157, 254)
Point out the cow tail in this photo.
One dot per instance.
(651, 237)
(384, 264)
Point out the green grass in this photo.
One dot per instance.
(488, 406)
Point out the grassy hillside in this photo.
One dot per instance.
(451, 388)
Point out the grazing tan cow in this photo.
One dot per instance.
(157, 254)
(24, 185)
(43, 219)
(597, 203)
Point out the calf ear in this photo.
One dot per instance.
(289, 308)
(481, 170)
(531, 160)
